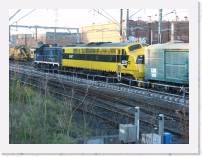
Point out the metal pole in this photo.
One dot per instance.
(161, 126)
(149, 24)
(127, 24)
(78, 36)
(55, 35)
(159, 25)
(36, 33)
(172, 31)
(137, 120)
(121, 18)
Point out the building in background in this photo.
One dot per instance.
(139, 30)
(61, 38)
(101, 33)
(148, 31)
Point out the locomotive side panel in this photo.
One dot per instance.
(91, 59)
(106, 59)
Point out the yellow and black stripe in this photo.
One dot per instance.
(95, 57)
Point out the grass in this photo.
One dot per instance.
(36, 118)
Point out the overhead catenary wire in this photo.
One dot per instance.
(10, 18)
(24, 16)
(103, 15)
(109, 15)
(135, 13)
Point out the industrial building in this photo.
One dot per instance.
(139, 30)
(61, 38)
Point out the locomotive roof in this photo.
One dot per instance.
(107, 44)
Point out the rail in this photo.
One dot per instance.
(108, 84)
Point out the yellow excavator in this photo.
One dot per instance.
(21, 53)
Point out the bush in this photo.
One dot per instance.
(39, 119)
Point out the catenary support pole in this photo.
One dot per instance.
(121, 19)
(127, 24)
(160, 25)
(172, 32)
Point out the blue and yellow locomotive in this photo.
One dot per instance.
(118, 58)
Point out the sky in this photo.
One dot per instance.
(82, 17)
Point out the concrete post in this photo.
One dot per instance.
(161, 126)
(137, 120)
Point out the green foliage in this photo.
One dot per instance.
(39, 119)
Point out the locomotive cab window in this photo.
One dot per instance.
(135, 47)
(140, 59)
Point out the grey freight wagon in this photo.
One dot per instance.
(167, 62)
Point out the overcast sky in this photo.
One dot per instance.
(81, 17)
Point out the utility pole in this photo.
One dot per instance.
(36, 34)
(55, 35)
(150, 40)
(160, 25)
(172, 31)
(78, 36)
(56, 20)
(127, 24)
(121, 20)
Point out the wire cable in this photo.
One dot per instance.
(103, 15)
(14, 14)
(110, 15)
(135, 13)
(24, 16)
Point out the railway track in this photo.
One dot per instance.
(168, 88)
(176, 99)
(115, 105)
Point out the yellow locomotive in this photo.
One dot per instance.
(120, 58)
